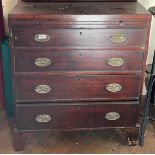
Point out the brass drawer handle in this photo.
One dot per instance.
(114, 87)
(42, 89)
(42, 62)
(112, 116)
(42, 37)
(43, 118)
(118, 38)
(115, 62)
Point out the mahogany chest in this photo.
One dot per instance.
(78, 66)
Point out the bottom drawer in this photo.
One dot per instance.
(76, 116)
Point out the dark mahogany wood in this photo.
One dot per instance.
(77, 88)
(19, 140)
(81, 12)
(65, 116)
(98, 38)
(44, 24)
(77, 60)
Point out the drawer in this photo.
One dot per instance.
(40, 60)
(89, 38)
(77, 88)
(76, 116)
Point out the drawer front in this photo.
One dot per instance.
(92, 38)
(54, 116)
(78, 88)
(77, 60)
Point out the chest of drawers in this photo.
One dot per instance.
(78, 66)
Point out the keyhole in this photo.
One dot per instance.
(34, 6)
(121, 23)
(79, 79)
(80, 33)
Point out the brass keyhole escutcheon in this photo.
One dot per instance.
(42, 37)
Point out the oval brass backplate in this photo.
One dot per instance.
(42, 89)
(43, 118)
(42, 62)
(42, 37)
(115, 62)
(114, 87)
(118, 38)
(112, 116)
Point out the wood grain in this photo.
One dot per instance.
(83, 38)
(76, 116)
(77, 88)
(77, 60)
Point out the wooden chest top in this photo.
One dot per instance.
(81, 11)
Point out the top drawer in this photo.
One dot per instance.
(80, 38)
